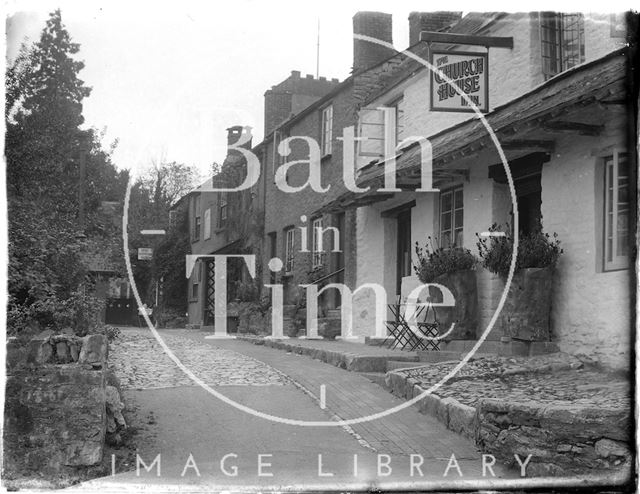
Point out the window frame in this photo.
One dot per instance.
(612, 162)
(206, 230)
(554, 32)
(197, 221)
(317, 250)
(196, 281)
(289, 250)
(397, 120)
(223, 209)
(326, 130)
(454, 228)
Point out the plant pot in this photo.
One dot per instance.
(464, 313)
(526, 312)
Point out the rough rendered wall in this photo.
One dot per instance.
(591, 308)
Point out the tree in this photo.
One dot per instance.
(44, 146)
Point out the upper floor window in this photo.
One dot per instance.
(383, 129)
(207, 224)
(222, 209)
(562, 42)
(451, 218)
(289, 247)
(196, 218)
(326, 130)
(616, 211)
(316, 243)
(395, 131)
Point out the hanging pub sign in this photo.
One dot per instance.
(468, 71)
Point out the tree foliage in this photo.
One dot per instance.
(44, 146)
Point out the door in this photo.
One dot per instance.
(529, 195)
(403, 259)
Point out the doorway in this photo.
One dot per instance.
(403, 258)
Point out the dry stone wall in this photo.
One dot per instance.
(56, 407)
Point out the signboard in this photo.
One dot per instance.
(468, 71)
(145, 254)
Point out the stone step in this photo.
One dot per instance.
(376, 377)
(441, 356)
(399, 364)
(329, 327)
(289, 310)
(334, 313)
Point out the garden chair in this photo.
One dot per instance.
(429, 330)
(401, 332)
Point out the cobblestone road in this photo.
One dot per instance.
(141, 363)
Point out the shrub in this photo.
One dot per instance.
(434, 262)
(535, 250)
(246, 292)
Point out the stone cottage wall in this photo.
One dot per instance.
(591, 309)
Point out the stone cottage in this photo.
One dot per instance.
(555, 99)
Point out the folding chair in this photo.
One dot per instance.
(430, 331)
(401, 330)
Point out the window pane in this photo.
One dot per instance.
(446, 222)
(458, 201)
(458, 219)
(446, 240)
(459, 237)
(446, 202)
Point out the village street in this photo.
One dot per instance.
(176, 418)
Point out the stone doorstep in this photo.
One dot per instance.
(508, 348)
(344, 360)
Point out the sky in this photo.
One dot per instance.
(169, 77)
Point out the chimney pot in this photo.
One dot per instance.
(233, 134)
(309, 76)
(295, 74)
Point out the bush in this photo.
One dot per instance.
(434, 262)
(535, 250)
(246, 292)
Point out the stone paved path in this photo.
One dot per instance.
(554, 379)
(141, 363)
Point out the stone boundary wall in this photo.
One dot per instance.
(563, 440)
(59, 404)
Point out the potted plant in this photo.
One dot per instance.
(525, 314)
(453, 268)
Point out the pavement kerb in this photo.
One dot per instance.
(344, 360)
(455, 416)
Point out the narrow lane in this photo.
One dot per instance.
(186, 420)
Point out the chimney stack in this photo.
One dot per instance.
(429, 21)
(233, 134)
(376, 25)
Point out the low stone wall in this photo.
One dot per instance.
(56, 404)
(562, 439)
